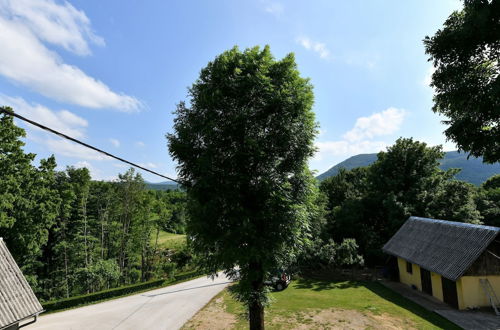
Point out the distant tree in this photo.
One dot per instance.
(242, 145)
(466, 53)
(15, 165)
(489, 201)
(455, 200)
(129, 192)
(327, 254)
(347, 184)
(28, 200)
(402, 181)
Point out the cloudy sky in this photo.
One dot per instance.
(111, 72)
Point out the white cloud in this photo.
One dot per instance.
(317, 47)
(62, 25)
(426, 81)
(275, 8)
(115, 142)
(148, 165)
(95, 172)
(364, 59)
(24, 25)
(63, 121)
(360, 138)
(346, 148)
(71, 149)
(378, 124)
(140, 144)
(84, 164)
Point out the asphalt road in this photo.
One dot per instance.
(166, 308)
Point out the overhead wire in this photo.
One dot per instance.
(11, 113)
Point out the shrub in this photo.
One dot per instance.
(116, 292)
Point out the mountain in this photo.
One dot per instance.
(166, 185)
(473, 170)
(350, 163)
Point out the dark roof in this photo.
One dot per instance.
(17, 300)
(444, 247)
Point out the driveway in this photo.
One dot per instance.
(166, 308)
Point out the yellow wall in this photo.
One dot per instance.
(414, 279)
(471, 293)
(407, 278)
(437, 286)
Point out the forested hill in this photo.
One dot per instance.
(473, 170)
(166, 185)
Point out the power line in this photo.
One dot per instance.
(83, 143)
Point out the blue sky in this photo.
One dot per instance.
(111, 72)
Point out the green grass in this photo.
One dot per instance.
(170, 241)
(305, 295)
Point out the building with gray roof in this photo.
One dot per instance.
(458, 263)
(18, 303)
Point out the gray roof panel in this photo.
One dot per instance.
(444, 247)
(17, 300)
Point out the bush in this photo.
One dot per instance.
(321, 254)
(116, 292)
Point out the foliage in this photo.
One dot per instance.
(370, 204)
(242, 146)
(71, 235)
(75, 301)
(28, 202)
(466, 82)
(488, 201)
(329, 255)
(455, 200)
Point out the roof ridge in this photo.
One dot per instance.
(445, 247)
(455, 223)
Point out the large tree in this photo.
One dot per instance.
(28, 199)
(242, 144)
(466, 82)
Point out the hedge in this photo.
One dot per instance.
(65, 303)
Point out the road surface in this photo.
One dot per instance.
(166, 308)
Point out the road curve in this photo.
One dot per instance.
(165, 308)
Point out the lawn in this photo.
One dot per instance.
(170, 241)
(315, 304)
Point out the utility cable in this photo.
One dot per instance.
(11, 113)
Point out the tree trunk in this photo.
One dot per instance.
(256, 314)
(255, 309)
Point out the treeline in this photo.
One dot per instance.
(72, 235)
(369, 204)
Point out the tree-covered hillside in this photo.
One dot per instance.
(473, 170)
(166, 185)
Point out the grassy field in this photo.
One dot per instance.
(170, 241)
(313, 304)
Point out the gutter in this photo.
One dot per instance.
(34, 316)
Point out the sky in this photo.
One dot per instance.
(111, 72)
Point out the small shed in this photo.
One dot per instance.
(457, 263)
(17, 301)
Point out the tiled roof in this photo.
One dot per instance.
(17, 300)
(444, 247)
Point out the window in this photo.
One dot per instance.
(409, 267)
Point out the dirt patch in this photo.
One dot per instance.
(212, 317)
(340, 319)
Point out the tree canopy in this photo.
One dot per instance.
(466, 53)
(242, 145)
